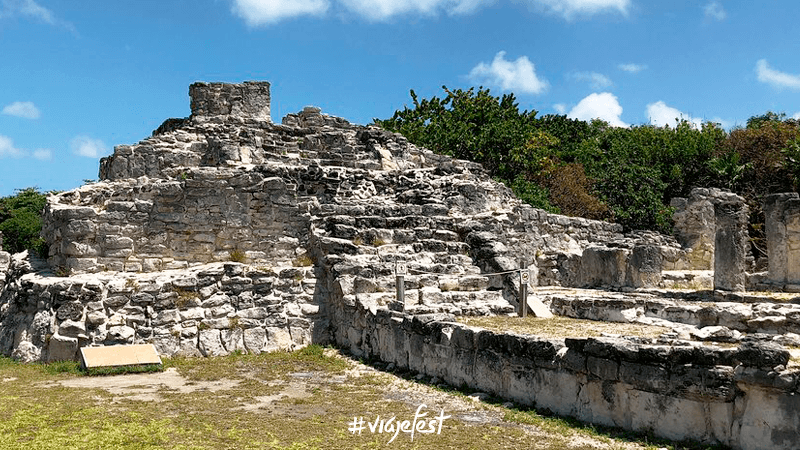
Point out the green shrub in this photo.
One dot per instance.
(237, 256)
(21, 221)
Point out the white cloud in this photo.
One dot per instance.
(597, 81)
(265, 12)
(86, 146)
(603, 106)
(378, 10)
(570, 9)
(660, 114)
(714, 10)
(632, 68)
(43, 154)
(26, 110)
(767, 74)
(518, 75)
(7, 148)
(560, 108)
(796, 116)
(31, 9)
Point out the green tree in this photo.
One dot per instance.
(21, 221)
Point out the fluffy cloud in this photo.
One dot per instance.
(377, 10)
(264, 12)
(267, 12)
(26, 110)
(632, 68)
(43, 154)
(570, 9)
(86, 146)
(603, 106)
(519, 75)
(767, 74)
(597, 81)
(660, 114)
(31, 9)
(714, 11)
(796, 116)
(560, 108)
(7, 148)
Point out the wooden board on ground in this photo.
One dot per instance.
(119, 355)
(538, 308)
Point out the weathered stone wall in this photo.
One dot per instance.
(743, 398)
(695, 227)
(169, 224)
(775, 230)
(209, 310)
(249, 99)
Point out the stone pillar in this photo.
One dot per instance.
(791, 220)
(694, 228)
(730, 245)
(250, 99)
(775, 230)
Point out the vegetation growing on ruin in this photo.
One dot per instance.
(593, 170)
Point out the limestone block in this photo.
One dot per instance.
(775, 230)
(233, 339)
(730, 245)
(96, 318)
(645, 265)
(277, 339)
(71, 328)
(79, 249)
(254, 339)
(120, 335)
(196, 313)
(62, 348)
(792, 247)
(210, 343)
(167, 345)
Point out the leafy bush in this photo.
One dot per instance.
(21, 221)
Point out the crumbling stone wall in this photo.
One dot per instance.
(202, 217)
(250, 99)
(742, 397)
(695, 226)
(210, 310)
(782, 227)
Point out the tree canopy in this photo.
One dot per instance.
(593, 170)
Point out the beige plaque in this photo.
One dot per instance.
(119, 355)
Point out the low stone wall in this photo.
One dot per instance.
(205, 311)
(743, 398)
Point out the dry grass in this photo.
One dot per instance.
(302, 400)
(560, 327)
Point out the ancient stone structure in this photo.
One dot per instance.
(782, 227)
(730, 245)
(695, 226)
(225, 231)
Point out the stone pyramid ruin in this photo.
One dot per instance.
(227, 232)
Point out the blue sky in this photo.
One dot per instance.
(77, 78)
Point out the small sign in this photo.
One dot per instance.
(119, 355)
(401, 269)
(525, 276)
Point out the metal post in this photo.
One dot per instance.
(524, 277)
(400, 270)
